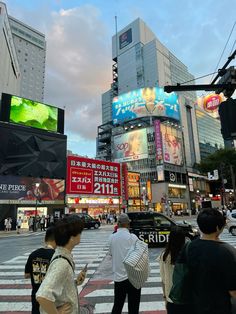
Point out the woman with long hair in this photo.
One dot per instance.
(167, 261)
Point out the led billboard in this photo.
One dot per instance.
(31, 113)
(130, 146)
(145, 102)
(94, 177)
(172, 145)
(134, 184)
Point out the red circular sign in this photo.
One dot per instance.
(212, 102)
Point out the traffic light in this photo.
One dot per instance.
(227, 112)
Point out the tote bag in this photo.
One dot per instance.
(136, 264)
(180, 292)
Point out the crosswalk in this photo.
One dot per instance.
(96, 293)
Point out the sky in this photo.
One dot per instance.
(78, 56)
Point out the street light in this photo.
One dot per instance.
(36, 204)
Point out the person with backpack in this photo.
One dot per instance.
(167, 261)
(59, 287)
(37, 265)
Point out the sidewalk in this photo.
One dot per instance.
(14, 232)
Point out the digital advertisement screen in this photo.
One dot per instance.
(134, 184)
(131, 146)
(91, 176)
(35, 114)
(172, 145)
(145, 102)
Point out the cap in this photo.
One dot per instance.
(123, 219)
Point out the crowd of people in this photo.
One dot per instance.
(211, 266)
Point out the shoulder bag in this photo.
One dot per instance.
(180, 292)
(136, 264)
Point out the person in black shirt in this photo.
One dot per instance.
(37, 265)
(212, 265)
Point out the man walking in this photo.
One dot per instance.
(18, 224)
(119, 245)
(212, 265)
(37, 265)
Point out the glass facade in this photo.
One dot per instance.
(209, 134)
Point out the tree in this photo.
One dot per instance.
(224, 160)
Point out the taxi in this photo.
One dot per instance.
(154, 228)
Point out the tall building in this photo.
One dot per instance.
(137, 107)
(10, 73)
(30, 47)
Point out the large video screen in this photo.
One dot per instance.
(172, 145)
(131, 146)
(145, 102)
(32, 113)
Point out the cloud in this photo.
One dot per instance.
(78, 67)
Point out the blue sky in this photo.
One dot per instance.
(78, 34)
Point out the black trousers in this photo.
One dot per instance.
(122, 289)
(177, 308)
(35, 305)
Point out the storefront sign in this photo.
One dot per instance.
(93, 177)
(27, 190)
(124, 168)
(134, 184)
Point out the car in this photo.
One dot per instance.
(154, 228)
(89, 222)
(231, 221)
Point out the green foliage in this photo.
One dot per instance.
(35, 114)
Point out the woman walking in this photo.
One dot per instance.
(167, 262)
(58, 292)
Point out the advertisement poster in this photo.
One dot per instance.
(210, 103)
(125, 38)
(124, 168)
(131, 146)
(172, 146)
(27, 190)
(94, 177)
(133, 184)
(158, 139)
(145, 102)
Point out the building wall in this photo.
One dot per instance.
(106, 106)
(31, 52)
(10, 76)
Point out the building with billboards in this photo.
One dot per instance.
(93, 186)
(32, 159)
(142, 66)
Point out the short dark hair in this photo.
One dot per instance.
(67, 227)
(209, 219)
(50, 234)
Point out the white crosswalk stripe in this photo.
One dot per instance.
(15, 290)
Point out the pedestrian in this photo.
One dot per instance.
(212, 266)
(42, 223)
(167, 261)
(18, 224)
(59, 287)
(6, 224)
(119, 245)
(31, 223)
(37, 265)
(9, 224)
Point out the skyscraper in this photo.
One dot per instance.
(30, 47)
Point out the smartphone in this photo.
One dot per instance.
(85, 268)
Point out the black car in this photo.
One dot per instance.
(89, 222)
(154, 228)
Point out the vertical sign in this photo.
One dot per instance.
(158, 139)
(124, 181)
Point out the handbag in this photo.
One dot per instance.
(180, 292)
(136, 264)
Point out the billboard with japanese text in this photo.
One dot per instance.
(145, 102)
(93, 177)
(130, 146)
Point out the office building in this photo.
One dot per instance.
(30, 47)
(142, 67)
(10, 73)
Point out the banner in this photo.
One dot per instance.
(172, 146)
(158, 140)
(27, 190)
(124, 181)
(94, 177)
(131, 146)
(145, 102)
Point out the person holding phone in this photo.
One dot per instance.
(59, 287)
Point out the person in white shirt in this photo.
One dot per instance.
(18, 224)
(119, 245)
